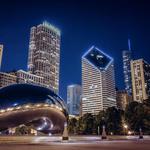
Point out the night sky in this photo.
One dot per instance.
(83, 23)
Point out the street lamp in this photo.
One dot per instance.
(125, 126)
(65, 136)
(141, 134)
(129, 132)
(98, 132)
(104, 136)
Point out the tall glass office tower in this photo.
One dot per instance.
(98, 81)
(73, 99)
(127, 57)
(44, 54)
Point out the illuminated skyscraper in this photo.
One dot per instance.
(127, 57)
(73, 98)
(44, 54)
(1, 54)
(140, 70)
(98, 81)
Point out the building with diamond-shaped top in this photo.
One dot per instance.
(98, 81)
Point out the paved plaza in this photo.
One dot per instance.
(74, 143)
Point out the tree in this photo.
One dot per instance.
(138, 116)
(88, 123)
(113, 119)
(72, 125)
(22, 130)
(80, 126)
(98, 122)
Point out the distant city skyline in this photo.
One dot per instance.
(106, 24)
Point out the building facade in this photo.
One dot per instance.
(26, 77)
(140, 71)
(98, 81)
(44, 54)
(1, 54)
(20, 77)
(127, 57)
(7, 79)
(123, 99)
(73, 99)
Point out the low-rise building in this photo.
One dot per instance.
(26, 77)
(7, 79)
(19, 77)
(123, 99)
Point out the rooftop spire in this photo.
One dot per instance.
(129, 44)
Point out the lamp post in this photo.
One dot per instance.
(65, 136)
(98, 130)
(104, 136)
(141, 134)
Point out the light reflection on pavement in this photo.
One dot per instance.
(74, 143)
(72, 139)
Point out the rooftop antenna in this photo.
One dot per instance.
(129, 44)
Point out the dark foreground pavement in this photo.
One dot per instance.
(75, 143)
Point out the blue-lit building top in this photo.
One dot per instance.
(98, 81)
(98, 58)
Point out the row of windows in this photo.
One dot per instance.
(46, 30)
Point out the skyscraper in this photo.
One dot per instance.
(98, 81)
(73, 98)
(44, 54)
(1, 54)
(127, 57)
(140, 70)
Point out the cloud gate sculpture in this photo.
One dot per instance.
(33, 106)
